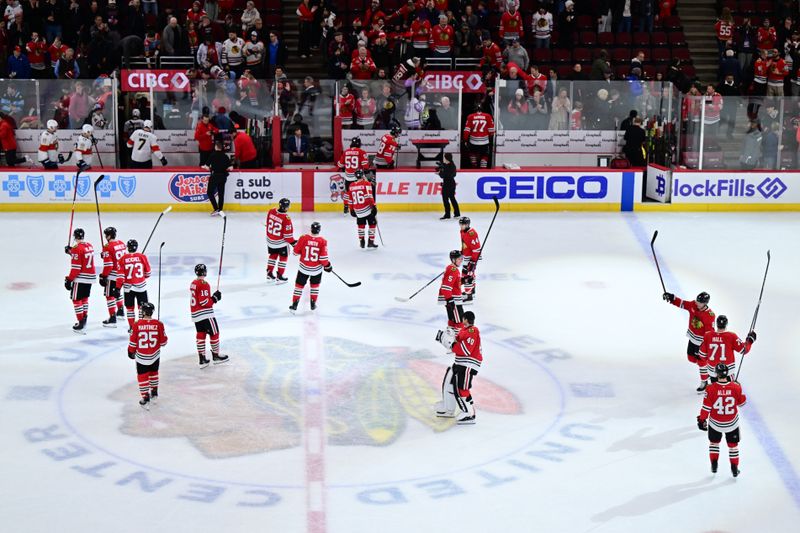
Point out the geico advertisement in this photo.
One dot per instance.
(425, 187)
(735, 188)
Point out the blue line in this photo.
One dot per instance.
(750, 412)
(628, 181)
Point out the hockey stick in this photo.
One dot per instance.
(400, 299)
(755, 314)
(158, 316)
(97, 204)
(164, 212)
(222, 248)
(356, 284)
(72, 215)
(97, 151)
(653, 248)
(378, 227)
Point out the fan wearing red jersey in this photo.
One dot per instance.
(352, 159)
(720, 414)
(280, 235)
(387, 148)
(471, 251)
(313, 252)
(478, 132)
(145, 343)
(134, 269)
(457, 382)
(201, 304)
(80, 278)
(720, 346)
(701, 321)
(450, 292)
(112, 252)
(363, 209)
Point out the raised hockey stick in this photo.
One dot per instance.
(72, 215)
(755, 314)
(158, 310)
(97, 205)
(356, 284)
(97, 151)
(222, 248)
(164, 212)
(401, 299)
(655, 258)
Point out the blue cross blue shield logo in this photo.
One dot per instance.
(13, 186)
(84, 184)
(60, 186)
(106, 187)
(35, 184)
(127, 185)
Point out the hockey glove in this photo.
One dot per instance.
(61, 159)
(468, 280)
(751, 337)
(164, 161)
(702, 425)
(68, 284)
(669, 297)
(352, 212)
(328, 268)
(374, 210)
(103, 281)
(82, 166)
(217, 296)
(131, 355)
(68, 250)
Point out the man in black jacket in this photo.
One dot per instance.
(635, 138)
(731, 98)
(447, 171)
(219, 165)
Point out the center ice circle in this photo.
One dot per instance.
(245, 423)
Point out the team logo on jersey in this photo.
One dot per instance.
(337, 187)
(372, 394)
(106, 187)
(127, 185)
(189, 187)
(35, 184)
(13, 186)
(84, 184)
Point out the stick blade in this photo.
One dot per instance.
(401, 299)
(162, 245)
(356, 284)
(98, 180)
(655, 235)
(167, 210)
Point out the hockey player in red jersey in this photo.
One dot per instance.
(457, 382)
(720, 346)
(112, 252)
(80, 278)
(134, 270)
(313, 252)
(145, 343)
(280, 235)
(720, 414)
(450, 292)
(478, 133)
(363, 209)
(387, 149)
(471, 251)
(352, 159)
(701, 321)
(201, 304)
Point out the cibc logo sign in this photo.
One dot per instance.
(158, 80)
(558, 187)
(467, 81)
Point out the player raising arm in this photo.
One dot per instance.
(721, 346)
(701, 321)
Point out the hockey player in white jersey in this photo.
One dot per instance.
(83, 148)
(48, 146)
(143, 144)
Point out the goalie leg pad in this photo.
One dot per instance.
(447, 406)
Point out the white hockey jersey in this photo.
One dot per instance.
(254, 53)
(143, 143)
(233, 52)
(83, 150)
(48, 147)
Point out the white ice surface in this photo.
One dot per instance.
(323, 422)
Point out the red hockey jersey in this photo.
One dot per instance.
(134, 270)
(722, 347)
(386, 149)
(420, 33)
(82, 269)
(112, 252)
(777, 72)
(450, 289)
(700, 322)
(724, 30)
(442, 38)
(201, 303)
(361, 199)
(721, 405)
(351, 160)
(470, 245)
(511, 26)
(279, 229)
(147, 338)
(467, 348)
(766, 37)
(313, 252)
(479, 128)
(347, 106)
(760, 68)
(492, 55)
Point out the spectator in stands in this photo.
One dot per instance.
(601, 68)
(79, 106)
(276, 54)
(665, 8)
(12, 102)
(730, 66)
(676, 76)
(101, 53)
(171, 38)
(577, 73)
(622, 13)
(232, 59)
(542, 27)
(567, 24)
(536, 79)
(386, 104)
(516, 53)
(714, 104)
(212, 8)
(540, 115)
(347, 104)
(638, 61)
(193, 37)
(441, 40)
(17, 32)
(308, 98)
(305, 13)
(731, 92)
(362, 66)
(297, 146)
(254, 55)
(447, 114)
(380, 51)
(518, 110)
(745, 42)
(552, 85)
(492, 55)
(769, 146)
(53, 13)
(415, 110)
(19, 67)
(244, 150)
(776, 74)
(249, 16)
(751, 148)
(766, 36)
(468, 43)
(8, 142)
(365, 109)
(151, 44)
(37, 49)
(784, 34)
(420, 36)
(204, 135)
(561, 108)
(150, 7)
(646, 10)
(338, 57)
(209, 53)
(724, 30)
(604, 17)
(511, 26)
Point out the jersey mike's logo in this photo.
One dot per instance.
(772, 188)
(126, 184)
(190, 187)
(372, 394)
(35, 184)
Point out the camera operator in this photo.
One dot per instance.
(447, 171)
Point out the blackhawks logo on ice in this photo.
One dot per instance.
(371, 394)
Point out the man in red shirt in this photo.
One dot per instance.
(37, 48)
(362, 67)
(204, 135)
(776, 74)
(244, 151)
(492, 55)
(442, 36)
(8, 142)
(766, 36)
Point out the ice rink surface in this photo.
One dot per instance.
(323, 422)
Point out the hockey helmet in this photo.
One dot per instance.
(455, 254)
(133, 245)
(355, 142)
(722, 322)
(200, 269)
(79, 234)
(148, 309)
(469, 317)
(703, 298)
(721, 370)
(87, 128)
(148, 125)
(316, 227)
(283, 205)
(396, 131)
(359, 174)
(52, 125)
(110, 232)
(464, 221)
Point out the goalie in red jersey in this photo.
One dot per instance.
(701, 321)
(720, 346)
(145, 343)
(202, 308)
(80, 278)
(363, 209)
(457, 382)
(720, 415)
(313, 252)
(280, 235)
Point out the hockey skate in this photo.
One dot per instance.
(293, 308)
(144, 403)
(372, 246)
(203, 362)
(111, 322)
(465, 419)
(280, 280)
(468, 300)
(121, 312)
(361, 242)
(219, 359)
(313, 305)
(714, 465)
(154, 395)
(80, 327)
(271, 277)
(735, 470)
(441, 411)
(702, 387)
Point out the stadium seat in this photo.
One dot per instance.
(588, 38)
(586, 22)
(605, 39)
(564, 71)
(683, 54)
(561, 55)
(622, 40)
(660, 55)
(747, 7)
(733, 5)
(541, 55)
(641, 39)
(672, 23)
(621, 56)
(659, 38)
(621, 71)
(676, 38)
(581, 55)
(689, 70)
